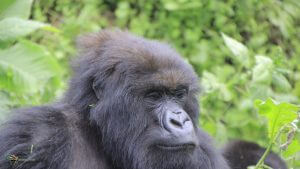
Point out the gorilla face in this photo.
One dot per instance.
(145, 105)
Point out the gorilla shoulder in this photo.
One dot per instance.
(34, 138)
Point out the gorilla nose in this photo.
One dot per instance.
(178, 122)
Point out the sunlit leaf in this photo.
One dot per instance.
(278, 114)
(262, 71)
(26, 67)
(292, 149)
(171, 5)
(12, 28)
(238, 49)
(5, 4)
(19, 8)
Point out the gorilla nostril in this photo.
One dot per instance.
(186, 120)
(176, 123)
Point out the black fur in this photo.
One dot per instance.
(241, 154)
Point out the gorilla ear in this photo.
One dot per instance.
(90, 48)
(96, 90)
(101, 78)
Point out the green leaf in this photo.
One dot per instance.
(5, 4)
(171, 5)
(26, 67)
(19, 8)
(260, 91)
(211, 83)
(292, 149)
(238, 49)
(262, 71)
(13, 28)
(281, 82)
(123, 10)
(278, 114)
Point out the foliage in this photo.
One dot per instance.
(281, 120)
(28, 72)
(242, 50)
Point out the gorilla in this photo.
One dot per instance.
(131, 104)
(241, 154)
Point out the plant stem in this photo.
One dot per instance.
(264, 156)
(262, 159)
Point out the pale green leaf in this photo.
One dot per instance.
(278, 114)
(171, 5)
(262, 71)
(238, 49)
(4, 4)
(260, 91)
(281, 82)
(292, 149)
(13, 28)
(26, 67)
(19, 8)
(211, 83)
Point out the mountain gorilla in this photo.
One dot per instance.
(131, 104)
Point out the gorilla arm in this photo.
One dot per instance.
(35, 138)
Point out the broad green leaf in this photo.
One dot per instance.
(278, 114)
(13, 28)
(26, 67)
(281, 82)
(211, 83)
(4, 4)
(238, 49)
(262, 71)
(292, 149)
(19, 8)
(260, 91)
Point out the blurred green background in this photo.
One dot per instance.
(243, 50)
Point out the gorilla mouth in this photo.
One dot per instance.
(186, 146)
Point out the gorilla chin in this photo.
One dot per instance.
(187, 154)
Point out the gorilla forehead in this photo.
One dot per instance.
(146, 60)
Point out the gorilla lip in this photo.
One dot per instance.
(177, 146)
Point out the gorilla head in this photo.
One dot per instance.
(140, 97)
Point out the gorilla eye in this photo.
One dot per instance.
(180, 93)
(154, 95)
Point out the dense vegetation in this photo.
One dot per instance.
(242, 51)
